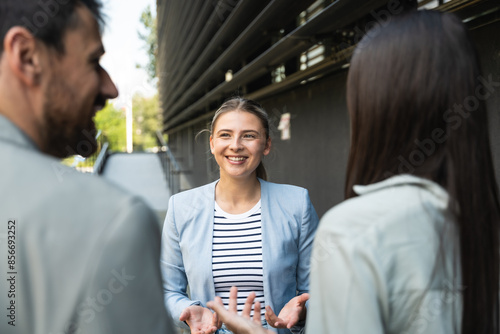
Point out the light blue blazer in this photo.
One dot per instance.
(289, 222)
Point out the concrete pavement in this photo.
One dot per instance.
(140, 174)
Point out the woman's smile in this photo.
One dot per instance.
(236, 160)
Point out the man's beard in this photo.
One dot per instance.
(64, 138)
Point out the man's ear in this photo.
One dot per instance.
(23, 55)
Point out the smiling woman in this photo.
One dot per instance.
(248, 232)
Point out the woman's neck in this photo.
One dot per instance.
(237, 196)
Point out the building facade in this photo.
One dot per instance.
(293, 58)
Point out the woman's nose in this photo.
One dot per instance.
(236, 143)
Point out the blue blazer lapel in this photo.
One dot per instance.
(279, 246)
(267, 235)
(201, 242)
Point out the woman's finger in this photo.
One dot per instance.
(271, 318)
(247, 308)
(303, 298)
(233, 299)
(218, 308)
(185, 315)
(216, 320)
(256, 313)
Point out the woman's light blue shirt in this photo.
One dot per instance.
(387, 262)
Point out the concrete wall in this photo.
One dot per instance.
(316, 155)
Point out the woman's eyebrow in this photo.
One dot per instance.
(224, 130)
(229, 130)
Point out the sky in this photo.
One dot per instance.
(124, 49)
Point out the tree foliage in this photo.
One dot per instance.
(149, 36)
(112, 123)
(147, 120)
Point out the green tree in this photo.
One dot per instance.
(147, 120)
(149, 36)
(112, 123)
(146, 111)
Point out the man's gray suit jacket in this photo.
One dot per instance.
(77, 255)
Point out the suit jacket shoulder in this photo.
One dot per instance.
(86, 249)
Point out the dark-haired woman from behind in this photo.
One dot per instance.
(415, 247)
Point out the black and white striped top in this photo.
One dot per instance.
(237, 255)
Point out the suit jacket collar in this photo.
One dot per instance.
(405, 179)
(11, 134)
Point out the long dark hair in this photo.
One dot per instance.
(250, 106)
(416, 101)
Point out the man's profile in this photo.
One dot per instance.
(77, 255)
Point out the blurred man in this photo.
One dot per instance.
(76, 254)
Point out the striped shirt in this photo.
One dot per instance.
(237, 255)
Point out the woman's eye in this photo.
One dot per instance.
(249, 136)
(224, 135)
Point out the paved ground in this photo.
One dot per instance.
(141, 174)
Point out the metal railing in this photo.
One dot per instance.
(171, 168)
(95, 162)
(101, 159)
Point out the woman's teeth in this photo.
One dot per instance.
(236, 158)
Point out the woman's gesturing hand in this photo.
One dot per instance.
(293, 312)
(239, 324)
(200, 319)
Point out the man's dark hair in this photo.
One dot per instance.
(47, 20)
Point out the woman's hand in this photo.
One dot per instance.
(293, 312)
(235, 323)
(200, 319)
